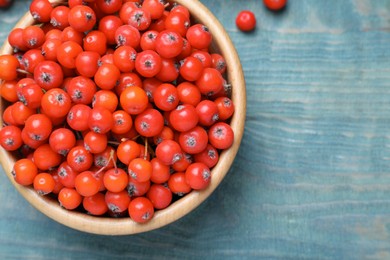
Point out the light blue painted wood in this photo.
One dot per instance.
(311, 180)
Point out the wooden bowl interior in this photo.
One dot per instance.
(181, 207)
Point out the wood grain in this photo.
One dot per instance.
(311, 179)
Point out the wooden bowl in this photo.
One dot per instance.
(125, 226)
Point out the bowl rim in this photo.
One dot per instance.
(180, 208)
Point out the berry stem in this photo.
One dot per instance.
(146, 148)
(23, 71)
(114, 142)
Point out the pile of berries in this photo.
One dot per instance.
(115, 108)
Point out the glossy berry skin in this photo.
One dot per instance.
(177, 21)
(140, 169)
(198, 176)
(169, 70)
(148, 63)
(59, 17)
(141, 210)
(81, 90)
(82, 18)
(208, 112)
(108, 7)
(87, 63)
(44, 183)
(57, 183)
(48, 74)
(108, 26)
(66, 175)
(191, 68)
(107, 76)
(140, 19)
(166, 97)
(41, 10)
(31, 95)
(155, 8)
(117, 202)
(136, 188)
(8, 90)
(15, 39)
(134, 100)
(160, 172)
(218, 62)
(100, 120)
(178, 185)
(8, 66)
(33, 36)
(208, 156)
(169, 152)
(38, 127)
(194, 140)
(45, 158)
(126, 9)
(221, 135)
(49, 49)
(148, 40)
(115, 180)
(62, 140)
(199, 36)
(165, 134)
(160, 196)
(127, 151)
(246, 21)
(20, 113)
(188, 93)
(10, 138)
(184, 117)
(95, 41)
(29, 144)
(56, 103)
(149, 123)
(69, 198)
(275, 5)
(95, 204)
(87, 184)
(124, 58)
(128, 79)
(106, 99)
(127, 35)
(24, 171)
(79, 158)
(204, 57)
(95, 142)
(210, 81)
(31, 58)
(169, 44)
(225, 107)
(70, 34)
(78, 116)
(183, 163)
(122, 122)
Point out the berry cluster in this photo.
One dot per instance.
(116, 107)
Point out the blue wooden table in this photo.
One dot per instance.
(312, 177)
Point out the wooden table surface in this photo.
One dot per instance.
(312, 177)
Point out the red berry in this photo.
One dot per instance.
(246, 21)
(275, 5)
